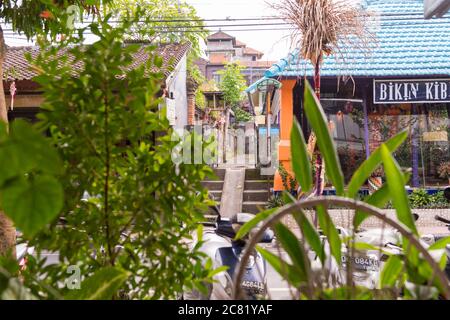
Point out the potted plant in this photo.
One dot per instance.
(444, 170)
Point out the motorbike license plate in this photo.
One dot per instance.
(253, 287)
(362, 263)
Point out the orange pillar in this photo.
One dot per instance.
(286, 121)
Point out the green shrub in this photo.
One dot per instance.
(116, 145)
(275, 201)
(438, 201)
(419, 198)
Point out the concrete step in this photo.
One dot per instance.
(253, 207)
(257, 185)
(216, 194)
(256, 195)
(217, 175)
(220, 173)
(255, 174)
(213, 185)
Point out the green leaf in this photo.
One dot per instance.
(23, 150)
(396, 184)
(290, 243)
(103, 285)
(329, 229)
(369, 165)
(310, 234)
(364, 246)
(440, 244)
(391, 271)
(377, 199)
(3, 131)
(301, 163)
(288, 197)
(254, 222)
(200, 233)
(32, 203)
(217, 270)
(443, 261)
(318, 121)
(281, 267)
(35, 148)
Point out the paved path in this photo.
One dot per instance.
(232, 194)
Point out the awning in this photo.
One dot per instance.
(262, 85)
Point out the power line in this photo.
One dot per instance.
(410, 15)
(202, 28)
(207, 20)
(265, 18)
(205, 27)
(407, 17)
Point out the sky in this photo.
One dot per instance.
(275, 44)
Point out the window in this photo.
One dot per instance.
(217, 78)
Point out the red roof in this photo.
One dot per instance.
(248, 50)
(239, 44)
(17, 67)
(220, 35)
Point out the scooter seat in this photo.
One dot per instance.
(225, 228)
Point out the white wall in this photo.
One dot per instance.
(223, 44)
(176, 84)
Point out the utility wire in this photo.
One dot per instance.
(419, 15)
(205, 27)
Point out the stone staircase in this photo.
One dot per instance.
(215, 187)
(256, 189)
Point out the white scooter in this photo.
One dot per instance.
(224, 251)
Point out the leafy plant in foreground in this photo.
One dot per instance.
(321, 277)
(128, 210)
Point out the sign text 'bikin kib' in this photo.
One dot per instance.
(411, 91)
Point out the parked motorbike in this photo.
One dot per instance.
(224, 251)
(367, 264)
(430, 239)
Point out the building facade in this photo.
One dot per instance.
(404, 84)
(222, 48)
(24, 97)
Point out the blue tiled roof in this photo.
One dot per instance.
(411, 46)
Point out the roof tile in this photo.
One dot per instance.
(17, 67)
(405, 48)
